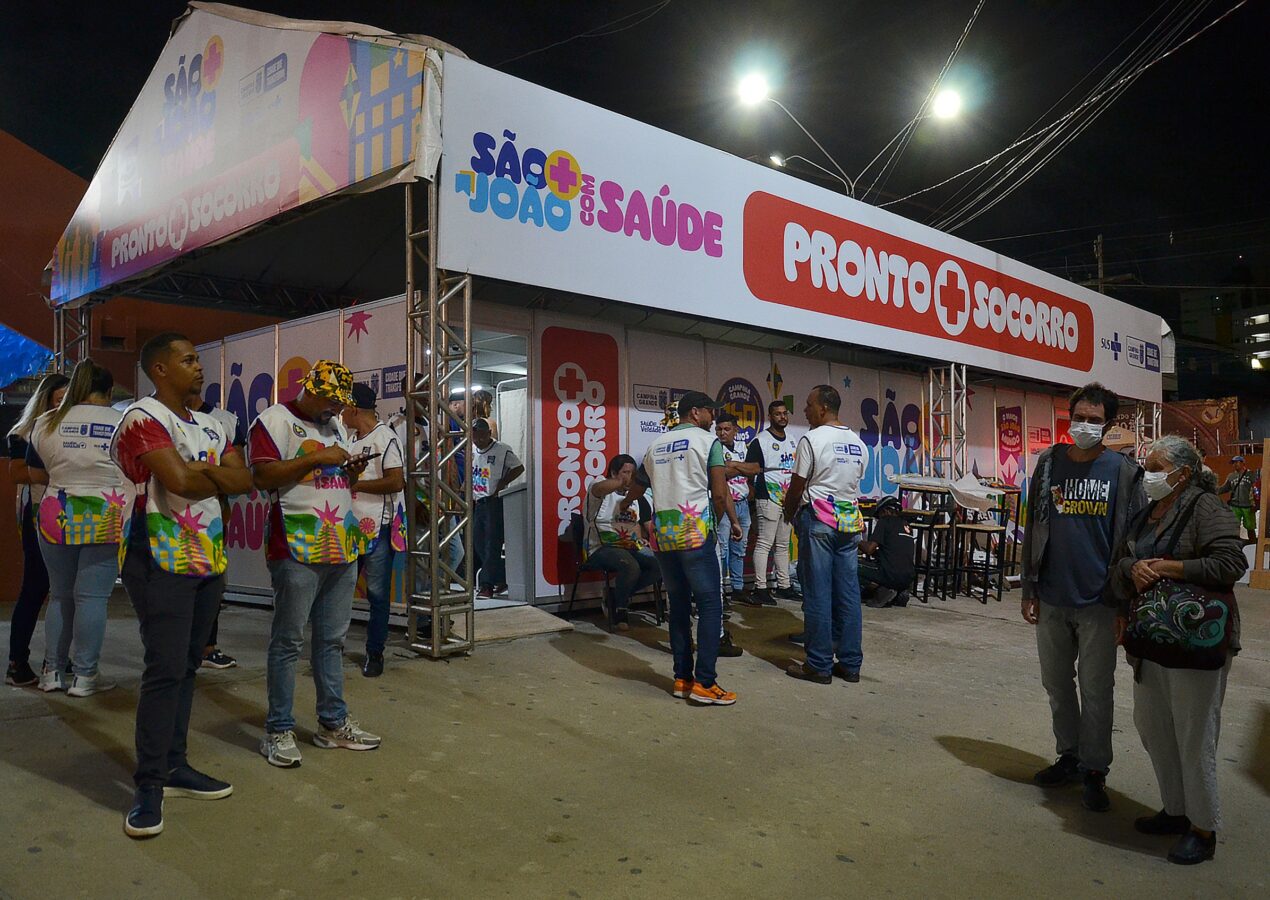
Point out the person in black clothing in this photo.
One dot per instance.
(35, 577)
(889, 570)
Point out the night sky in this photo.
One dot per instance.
(1172, 172)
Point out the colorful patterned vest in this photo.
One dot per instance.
(187, 537)
(677, 466)
(86, 495)
(317, 511)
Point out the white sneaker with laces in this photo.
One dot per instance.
(349, 736)
(51, 681)
(87, 685)
(280, 749)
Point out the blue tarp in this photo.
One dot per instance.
(20, 357)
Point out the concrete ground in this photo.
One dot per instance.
(560, 767)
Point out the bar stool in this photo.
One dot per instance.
(932, 562)
(993, 563)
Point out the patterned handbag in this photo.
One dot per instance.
(1180, 625)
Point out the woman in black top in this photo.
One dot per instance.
(35, 577)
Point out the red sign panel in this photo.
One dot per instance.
(580, 395)
(802, 257)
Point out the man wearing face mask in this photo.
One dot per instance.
(1080, 501)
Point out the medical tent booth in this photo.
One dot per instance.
(441, 227)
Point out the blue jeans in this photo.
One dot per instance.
(322, 594)
(692, 576)
(81, 577)
(831, 594)
(377, 567)
(732, 553)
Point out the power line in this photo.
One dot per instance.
(1070, 115)
(605, 30)
(894, 159)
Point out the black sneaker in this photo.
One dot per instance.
(1065, 770)
(807, 673)
(187, 782)
(881, 598)
(1094, 794)
(218, 659)
(800, 639)
(901, 599)
(726, 647)
(145, 819)
(20, 674)
(740, 596)
(760, 597)
(373, 665)
(845, 674)
(1162, 823)
(784, 593)
(1193, 848)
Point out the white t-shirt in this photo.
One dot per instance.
(86, 495)
(489, 466)
(832, 460)
(377, 510)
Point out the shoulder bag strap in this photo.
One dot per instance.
(1179, 526)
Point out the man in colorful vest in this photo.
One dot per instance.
(822, 505)
(732, 552)
(380, 507)
(770, 460)
(298, 453)
(685, 470)
(181, 463)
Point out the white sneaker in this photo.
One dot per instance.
(280, 749)
(87, 685)
(348, 736)
(51, 681)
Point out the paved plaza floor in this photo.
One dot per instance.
(559, 766)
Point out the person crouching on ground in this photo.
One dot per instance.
(888, 572)
(822, 506)
(685, 470)
(181, 462)
(380, 506)
(1186, 535)
(298, 453)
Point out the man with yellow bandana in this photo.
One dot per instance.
(299, 453)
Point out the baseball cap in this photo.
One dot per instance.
(1236, 459)
(890, 503)
(695, 400)
(331, 381)
(363, 396)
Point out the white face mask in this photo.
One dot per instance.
(1156, 484)
(1086, 435)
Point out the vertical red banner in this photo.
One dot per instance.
(1010, 443)
(579, 433)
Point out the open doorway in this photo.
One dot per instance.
(501, 378)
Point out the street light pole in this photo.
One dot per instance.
(779, 162)
(846, 179)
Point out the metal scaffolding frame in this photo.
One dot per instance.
(1146, 429)
(439, 493)
(71, 330)
(945, 422)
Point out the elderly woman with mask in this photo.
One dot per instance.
(1187, 535)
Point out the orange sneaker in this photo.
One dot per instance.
(683, 688)
(713, 694)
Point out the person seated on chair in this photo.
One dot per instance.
(888, 571)
(615, 541)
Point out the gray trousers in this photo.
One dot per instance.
(1078, 647)
(1178, 714)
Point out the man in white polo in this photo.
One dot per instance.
(822, 505)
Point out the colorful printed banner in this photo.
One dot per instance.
(541, 189)
(1010, 443)
(236, 123)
